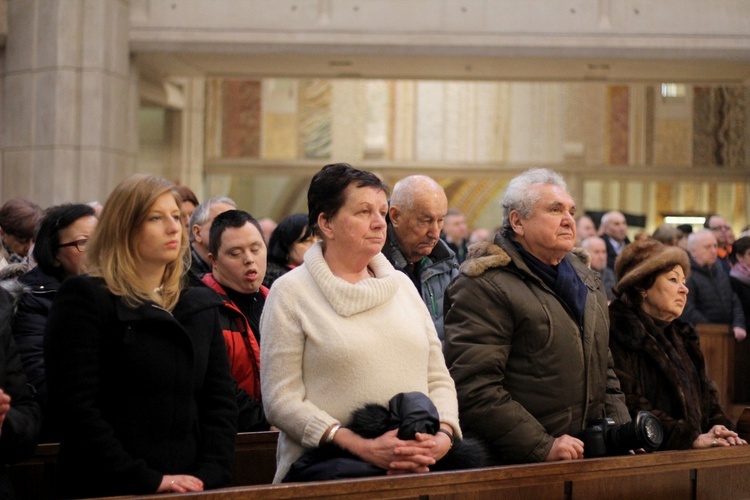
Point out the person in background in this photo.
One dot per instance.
(137, 369)
(345, 329)
(200, 227)
(480, 234)
(60, 252)
(188, 205)
(527, 332)
(684, 231)
(456, 233)
(667, 234)
(267, 224)
(657, 357)
(237, 253)
(739, 277)
(415, 218)
(585, 228)
(597, 250)
(20, 415)
(614, 230)
(724, 235)
(711, 298)
(286, 249)
(18, 220)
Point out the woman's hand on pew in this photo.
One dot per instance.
(388, 451)
(718, 436)
(180, 483)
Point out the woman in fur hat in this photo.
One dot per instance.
(657, 356)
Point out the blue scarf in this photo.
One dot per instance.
(562, 279)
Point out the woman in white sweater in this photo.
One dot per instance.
(346, 329)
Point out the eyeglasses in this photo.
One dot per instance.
(721, 228)
(79, 244)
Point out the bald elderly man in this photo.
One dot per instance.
(416, 215)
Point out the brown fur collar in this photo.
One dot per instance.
(485, 255)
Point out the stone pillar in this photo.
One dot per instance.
(70, 100)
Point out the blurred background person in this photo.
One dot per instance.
(456, 233)
(188, 205)
(267, 224)
(597, 250)
(137, 370)
(18, 220)
(346, 329)
(585, 228)
(666, 234)
(657, 356)
(60, 252)
(614, 229)
(724, 235)
(290, 240)
(711, 299)
(739, 277)
(200, 228)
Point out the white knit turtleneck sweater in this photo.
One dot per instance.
(329, 347)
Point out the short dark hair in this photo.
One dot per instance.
(741, 246)
(47, 242)
(326, 192)
(230, 218)
(19, 217)
(291, 229)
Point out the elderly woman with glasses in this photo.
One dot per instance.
(60, 252)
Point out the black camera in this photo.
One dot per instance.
(604, 437)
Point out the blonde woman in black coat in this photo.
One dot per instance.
(136, 365)
(657, 356)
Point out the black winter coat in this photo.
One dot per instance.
(139, 392)
(711, 298)
(28, 330)
(662, 370)
(20, 429)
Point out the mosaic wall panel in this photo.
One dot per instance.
(348, 119)
(279, 104)
(403, 123)
(537, 115)
(241, 118)
(314, 126)
(670, 138)
(719, 122)
(429, 121)
(619, 124)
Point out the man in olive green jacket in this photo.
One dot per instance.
(527, 332)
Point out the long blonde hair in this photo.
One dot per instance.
(112, 251)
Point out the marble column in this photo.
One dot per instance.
(70, 100)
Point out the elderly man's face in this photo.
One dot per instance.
(418, 229)
(616, 227)
(597, 249)
(704, 249)
(550, 232)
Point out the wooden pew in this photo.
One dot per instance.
(715, 473)
(717, 344)
(254, 463)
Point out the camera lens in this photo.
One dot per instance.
(649, 431)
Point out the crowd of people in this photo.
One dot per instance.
(144, 334)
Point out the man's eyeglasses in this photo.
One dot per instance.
(721, 228)
(79, 244)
